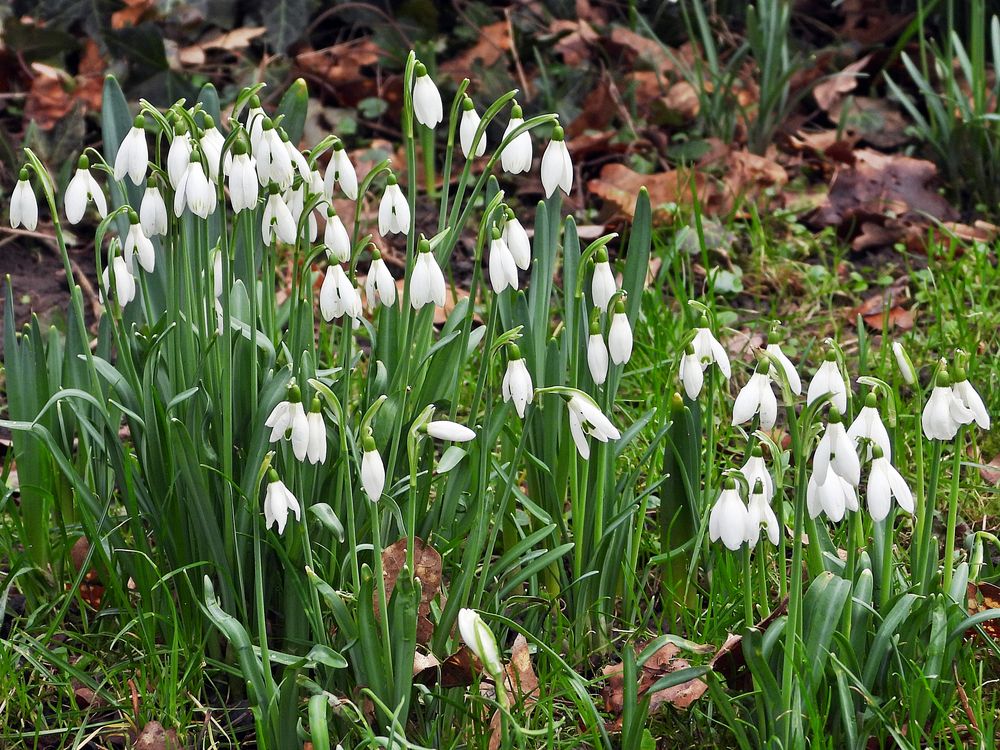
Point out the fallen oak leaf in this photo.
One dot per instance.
(521, 683)
(426, 568)
(618, 186)
(830, 92)
(458, 670)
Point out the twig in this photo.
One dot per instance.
(517, 60)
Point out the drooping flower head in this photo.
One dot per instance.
(153, 210)
(23, 206)
(517, 240)
(427, 106)
(467, 129)
(503, 270)
(828, 379)
(969, 397)
(380, 287)
(944, 411)
(427, 281)
(867, 430)
(516, 156)
(341, 172)
(597, 351)
(774, 349)
(760, 513)
(372, 469)
(278, 500)
(884, 484)
(517, 386)
(136, 243)
(587, 419)
(557, 166)
(244, 185)
(83, 189)
(729, 518)
(757, 397)
(133, 153)
(603, 285)
(288, 418)
(481, 642)
(620, 335)
(393, 210)
(836, 452)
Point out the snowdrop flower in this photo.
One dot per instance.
(517, 241)
(904, 364)
(427, 105)
(340, 170)
(557, 167)
(243, 183)
(481, 642)
(755, 470)
(427, 281)
(467, 129)
(23, 206)
(277, 220)
(829, 380)
(338, 296)
(969, 397)
(82, 189)
(503, 270)
(316, 448)
(295, 199)
(153, 211)
(620, 336)
(194, 190)
(335, 238)
(380, 287)
(255, 122)
(124, 282)
(372, 470)
(836, 452)
(774, 349)
(516, 385)
(884, 484)
(760, 513)
(393, 210)
(136, 242)
(179, 154)
(289, 417)
(597, 352)
(278, 500)
(692, 374)
(755, 397)
(707, 349)
(868, 427)
(273, 162)
(446, 430)
(298, 161)
(944, 412)
(602, 286)
(217, 282)
(586, 418)
(133, 153)
(516, 156)
(212, 142)
(729, 518)
(834, 497)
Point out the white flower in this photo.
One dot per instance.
(273, 161)
(195, 191)
(904, 364)
(244, 189)
(836, 452)
(503, 270)
(179, 155)
(517, 241)
(709, 350)
(620, 336)
(971, 400)
(133, 153)
(340, 170)
(884, 484)
(586, 418)
(297, 159)
(481, 641)
(278, 500)
(516, 385)
(23, 206)
(212, 142)
(316, 447)
(217, 281)
(516, 157)
(295, 199)
(380, 287)
(277, 220)
(289, 415)
(137, 242)
(794, 381)
(829, 380)
(335, 238)
(427, 105)
(338, 296)
(372, 470)
(729, 518)
(467, 129)
(453, 431)
(255, 122)
(692, 374)
(755, 397)
(427, 281)
(393, 210)
(602, 286)
(944, 412)
(124, 282)
(153, 211)
(597, 354)
(868, 427)
(755, 470)
(833, 497)
(760, 513)
(82, 189)
(557, 167)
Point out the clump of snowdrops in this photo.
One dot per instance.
(279, 399)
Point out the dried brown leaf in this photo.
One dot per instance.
(830, 92)
(493, 43)
(427, 568)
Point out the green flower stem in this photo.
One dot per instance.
(949, 540)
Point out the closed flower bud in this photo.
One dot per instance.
(516, 385)
(133, 153)
(603, 285)
(380, 287)
(503, 270)
(692, 374)
(446, 430)
(597, 352)
(620, 336)
(557, 167)
(179, 154)
(427, 106)
(316, 448)
(244, 188)
(335, 238)
(427, 281)
(467, 129)
(516, 156)
(211, 143)
(829, 380)
(517, 241)
(23, 206)
(481, 642)
(794, 381)
(153, 211)
(904, 364)
(372, 470)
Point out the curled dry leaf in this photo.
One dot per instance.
(155, 737)
(493, 43)
(991, 472)
(521, 684)
(884, 311)
(618, 186)
(427, 568)
(982, 596)
(830, 92)
(54, 93)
